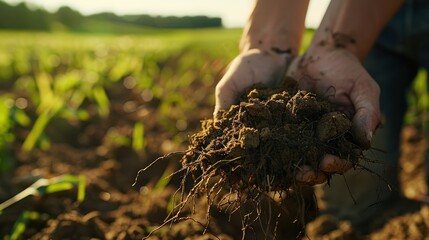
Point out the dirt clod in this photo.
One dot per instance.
(257, 146)
(332, 125)
(268, 135)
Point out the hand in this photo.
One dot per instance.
(330, 164)
(338, 74)
(253, 66)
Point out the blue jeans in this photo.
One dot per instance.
(401, 49)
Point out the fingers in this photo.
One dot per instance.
(330, 164)
(308, 176)
(334, 164)
(255, 66)
(367, 117)
(225, 96)
(292, 70)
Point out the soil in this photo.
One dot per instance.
(114, 209)
(406, 218)
(262, 142)
(255, 149)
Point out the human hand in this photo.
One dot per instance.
(248, 68)
(338, 74)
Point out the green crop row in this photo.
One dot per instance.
(57, 75)
(61, 80)
(169, 75)
(48, 76)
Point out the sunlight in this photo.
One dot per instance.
(233, 13)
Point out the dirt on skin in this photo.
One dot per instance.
(255, 149)
(113, 209)
(262, 142)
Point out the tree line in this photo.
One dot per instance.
(162, 22)
(22, 17)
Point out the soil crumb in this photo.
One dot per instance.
(260, 143)
(254, 150)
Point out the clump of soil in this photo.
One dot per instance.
(256, 148)
(262, 142)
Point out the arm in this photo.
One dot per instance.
(275, 24)
(355, 25)
(348, 31)
(333, 61)
(272, 35)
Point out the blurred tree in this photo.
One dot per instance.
(21, 17)
(41, 19)
(6, 15)
(69, 17)
(175, 22)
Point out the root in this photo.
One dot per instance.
(155, 161)
(255, 149)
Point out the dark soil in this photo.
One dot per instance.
(406, 218)
(262, 142)
(113, 209)
(257, 147)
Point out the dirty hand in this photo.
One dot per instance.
(338, 74)
(248, 68)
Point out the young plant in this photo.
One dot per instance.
(45, 186)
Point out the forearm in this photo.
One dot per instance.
(355, 24)
(276, 25)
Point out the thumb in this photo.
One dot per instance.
(226, 90)
(363, 128)
(292, 70)
(367, 112)
(225, 97)
(254, 66)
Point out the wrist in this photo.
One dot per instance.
(274, 42)
(328, 41)
(275, 25)
(354, 25)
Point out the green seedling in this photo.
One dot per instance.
(166, 176)
(5, 135)
(139, 142)
(103, 102)
(10, 115)
(50, 105)
(38, 128)
(46, 186)
(21, 224)
(418, 101)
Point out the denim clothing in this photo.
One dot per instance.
(401, 49)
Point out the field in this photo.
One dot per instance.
(80, 114)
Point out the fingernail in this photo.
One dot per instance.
(369, 136)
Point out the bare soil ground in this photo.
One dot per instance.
(113, 209)
(408, 218)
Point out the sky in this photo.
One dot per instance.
(234, 13)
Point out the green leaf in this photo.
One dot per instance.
(138, 143)
(21, 224)
(21, 117)
(102, 100)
